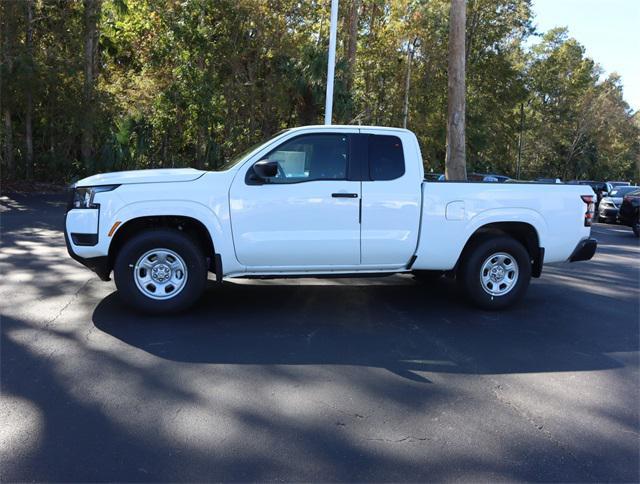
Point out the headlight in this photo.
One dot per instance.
(82, 197)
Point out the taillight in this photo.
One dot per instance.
(588, 216)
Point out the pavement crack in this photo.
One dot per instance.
(47, 324)
(333, 407)
(73, 297)
(177, 414)
(408, 438)
(539, 426)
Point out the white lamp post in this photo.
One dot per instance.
(328, 107)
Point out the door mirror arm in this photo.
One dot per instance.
(253, 179)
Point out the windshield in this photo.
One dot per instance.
(234, 160)
(619, 192)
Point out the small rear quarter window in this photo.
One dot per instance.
(386, 157)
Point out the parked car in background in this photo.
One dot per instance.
(548, 180)
(629, 213)
(600, 188)
(487, 177)
(619, 183)
(610, 204)
(433, 176)
(473, 177)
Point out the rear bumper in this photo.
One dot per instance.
(584, 250)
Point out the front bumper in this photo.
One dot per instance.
(584, 250)
(608, 213)
(99, 265)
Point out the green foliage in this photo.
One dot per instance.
(191, 83)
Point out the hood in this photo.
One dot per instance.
(616, 200)
(160, 175)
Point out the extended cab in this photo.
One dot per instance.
(321, 201)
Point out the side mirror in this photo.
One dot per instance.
(266, 169)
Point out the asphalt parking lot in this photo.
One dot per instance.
(343, 379)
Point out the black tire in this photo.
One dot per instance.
(636, 229)
(175, 241)
(469, 273)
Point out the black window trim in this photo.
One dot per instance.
(358, 166)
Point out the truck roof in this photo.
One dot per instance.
(347, 126)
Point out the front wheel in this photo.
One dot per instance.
(495, 272)
(160, 271)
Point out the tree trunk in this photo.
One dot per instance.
(520, 139)
(28, 118)
(368, 75)
(474, 11)
(201, 147)
(455, 160)
(91, 15)
(8, 144)
(352, 43)
(7, 60)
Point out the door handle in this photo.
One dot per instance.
(344, 195)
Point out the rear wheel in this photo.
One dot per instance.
(495, 272)
(160, 271)
(636, 229)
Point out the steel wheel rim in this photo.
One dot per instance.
(499, 274)
(160, 274)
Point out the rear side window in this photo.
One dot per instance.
(386, 157)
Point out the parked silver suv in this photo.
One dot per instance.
(610, 205)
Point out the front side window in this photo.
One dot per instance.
(311, 157)
(386, 158)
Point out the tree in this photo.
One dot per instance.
(578, 126)
(28, 117)
(351, 23)
(455, 161)
(125, 84)
(7, 72)
(91, 17)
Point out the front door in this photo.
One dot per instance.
(307, 215)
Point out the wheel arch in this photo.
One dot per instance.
(189, 225)
(523, 232)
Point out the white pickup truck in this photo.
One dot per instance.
(319, 201)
